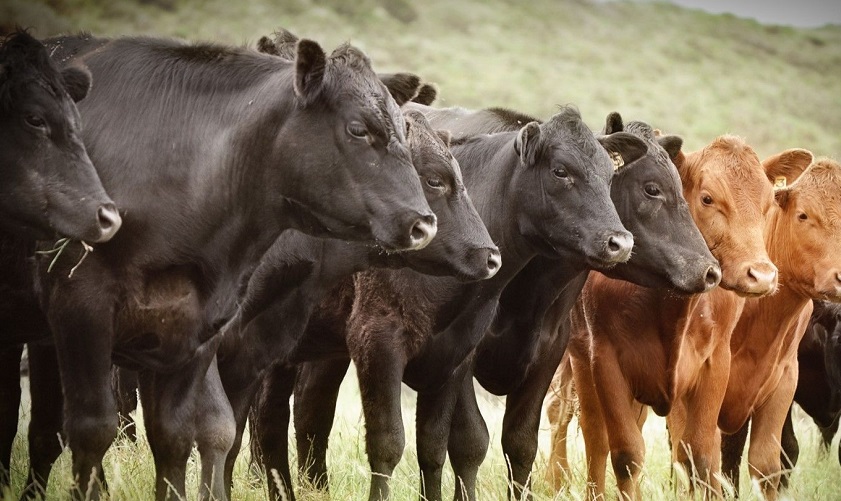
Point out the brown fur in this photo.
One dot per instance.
(763, 366)
(632, 346)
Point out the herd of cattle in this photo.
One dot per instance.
(260, 218)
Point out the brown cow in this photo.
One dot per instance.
(804, 240)
(633, 346)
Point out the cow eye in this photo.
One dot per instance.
(802, 216)
(560, 173)
(357, 130)
(35, 121)
(435, 182)
(707, 200)
(652, 190)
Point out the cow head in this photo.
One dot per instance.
(48, 184)
(567, 209)
(463, 247)
(361, 153)
(805, 230)
(729, 197)
(669, 251)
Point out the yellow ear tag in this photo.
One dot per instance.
(780, 182)
(618, 161)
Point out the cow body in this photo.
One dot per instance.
(208, 184)
(802, 239)
(633, 346)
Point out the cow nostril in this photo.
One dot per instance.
(423, 231)
(713, 276)
(619, 246)
(494, 261)
(109, 221)
(762, 276)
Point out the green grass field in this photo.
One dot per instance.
(683, 71)
(131, 473)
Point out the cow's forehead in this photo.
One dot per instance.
(820, 185)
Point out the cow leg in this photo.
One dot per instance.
(124, 382)
(241, 400)
(316, 394)
(46, 418)
(9, 407)
(521, 422)
(380, 373)
(468, 441)
(732, 447)
(593, 428)
(828, 433)
(82, 330)
(170, 429)
(621, 414)
(270, 430)
(560, 409)
(215, 434)
(791, 449)
(766, 434)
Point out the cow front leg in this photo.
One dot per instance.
(316, 393)
(170, 429)
(766, 434)
(433, 420)
(621, 417)
(215, 434)
(46, 418)
(82, 330)
(9, 406)
(468, 441)
(270, 430)
(380, 372)
(593, 428)
(560, 409)
(790, 449)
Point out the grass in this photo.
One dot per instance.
(684, 71)
(130, 469)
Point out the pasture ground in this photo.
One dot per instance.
(130, 469)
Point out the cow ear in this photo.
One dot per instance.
(77, 82)
(623, 148)
(402, 86)
(445, 136)
(266, 46)
(785, 167)
(527, 142)
(672, 145)
(613, 123)
(310, 63)
(426, 95)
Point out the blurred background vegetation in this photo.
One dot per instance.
(684, 71)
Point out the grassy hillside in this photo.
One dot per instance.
(685, 71)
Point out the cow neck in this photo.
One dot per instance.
(762, 338)
(490, 171)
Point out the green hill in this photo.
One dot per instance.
(685, 71)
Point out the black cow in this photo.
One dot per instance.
(299, 271)
(212, 151)
(49, 189)
(517, 356)
(49, 184)
(529, 186)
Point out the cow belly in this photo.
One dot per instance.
(159, 326)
